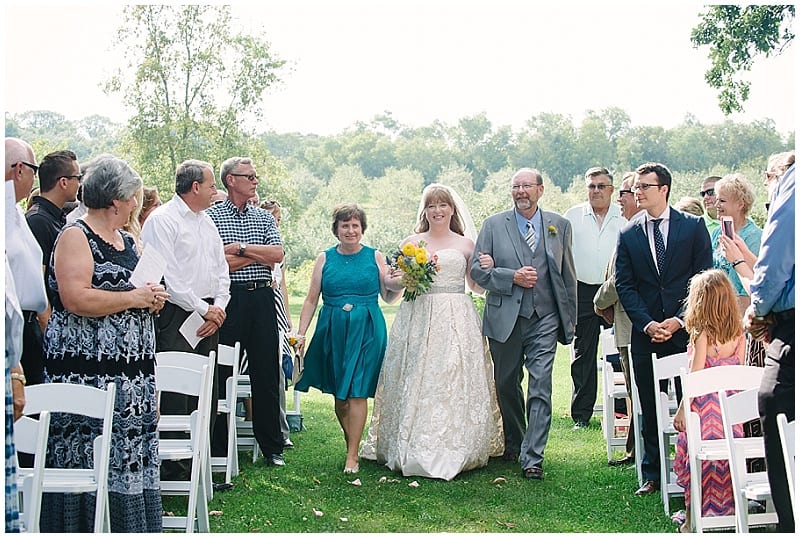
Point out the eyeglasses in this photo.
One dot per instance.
(707, 192)
(250, 177)
(29, 165)
(625, 191)
(526, 187)
(79, 177)
(644, 186)
(598, 187)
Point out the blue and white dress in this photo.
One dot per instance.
(95, 351)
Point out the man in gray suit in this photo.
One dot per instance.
(523, 258)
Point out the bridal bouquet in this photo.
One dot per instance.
(417, 269)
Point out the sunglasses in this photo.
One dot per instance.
(29, 165)
(707, 192)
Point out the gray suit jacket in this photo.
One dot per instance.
(607, 296)
(500, 237)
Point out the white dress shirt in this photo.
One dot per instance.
(24, 256)
(196, 266)
(592, 245)
(663, 226)
(14, 321)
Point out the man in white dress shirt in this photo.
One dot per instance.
(196, 275)
(595, 227)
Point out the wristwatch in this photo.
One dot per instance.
(242, 247)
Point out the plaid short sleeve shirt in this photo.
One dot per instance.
(254, 226)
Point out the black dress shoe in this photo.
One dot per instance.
(274, 460)
(222, 486)
(627, 460)
(533, 473)
(650, 486)
(510, 456)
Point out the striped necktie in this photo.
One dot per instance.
(658, 241)
(530, 237)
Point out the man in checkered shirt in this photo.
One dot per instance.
(252, 245)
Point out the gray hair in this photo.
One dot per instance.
(188, 172)
(228, 165)
(109, 178)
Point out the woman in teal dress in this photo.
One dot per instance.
(345, 354)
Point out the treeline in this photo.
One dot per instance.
(384, 165)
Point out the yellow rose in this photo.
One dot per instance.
(421, 256)
(409, 249)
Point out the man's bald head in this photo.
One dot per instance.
(20, 166)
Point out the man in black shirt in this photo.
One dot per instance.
(59, 178)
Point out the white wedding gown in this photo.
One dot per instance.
(435, 411)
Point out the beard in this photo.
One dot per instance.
(523, 204)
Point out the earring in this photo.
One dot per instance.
(116, 211)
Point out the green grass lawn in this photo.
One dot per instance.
(580, 492)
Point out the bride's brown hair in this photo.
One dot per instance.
(433, 194)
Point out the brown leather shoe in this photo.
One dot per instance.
(650, 486)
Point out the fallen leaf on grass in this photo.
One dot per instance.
(506, 525)
(316, 480)
(413, 484)
(317, 513)
(344, 519)
(498, 480)
(356, 482)
(215, 512)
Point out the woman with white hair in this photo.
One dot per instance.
(101, 331)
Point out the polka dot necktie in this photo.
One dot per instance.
(658, 240)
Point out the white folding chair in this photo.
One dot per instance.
(613, 386)
(30, 437)
(667, 368)
(191, 383)
(786, 433)
(699, 383)
(181, 423)
(245, 438)
(636, 411)
(737, 409)
(90, 402)
(229, 464)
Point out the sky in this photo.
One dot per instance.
(349, 60)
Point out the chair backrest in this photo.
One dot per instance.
(30, 437)
(183, 359)
(608, 347)
(786, 432)
(188, 381)
(88, 401)
(666, 368)
(229, 356)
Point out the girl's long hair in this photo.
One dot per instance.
(711, 307)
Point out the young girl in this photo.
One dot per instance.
(716, 339)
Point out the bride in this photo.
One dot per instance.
(435, 411)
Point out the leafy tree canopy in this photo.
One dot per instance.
(737, 36)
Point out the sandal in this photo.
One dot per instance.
(679, 517)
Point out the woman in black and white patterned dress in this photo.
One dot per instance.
(101, 331)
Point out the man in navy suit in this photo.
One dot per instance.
(658, 252)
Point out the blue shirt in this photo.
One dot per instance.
(751, 235)
(772, 287)
(536, 220)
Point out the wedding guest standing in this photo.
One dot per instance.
(530, 305)
(101, 331)
(437, 337)
(345, 353)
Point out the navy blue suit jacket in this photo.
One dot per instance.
(646, 295)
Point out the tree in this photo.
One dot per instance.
(737, 36)
(195, 81)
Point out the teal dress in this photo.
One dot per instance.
(345, 354)
(751, 235)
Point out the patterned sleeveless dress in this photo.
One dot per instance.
(716, 475)
(118, 348)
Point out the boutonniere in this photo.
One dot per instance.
(552, 230)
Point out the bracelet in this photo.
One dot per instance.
(737, 262)
(19, 377)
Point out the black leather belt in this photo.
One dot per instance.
(29, 316)
(250, 286)
(785, 315)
